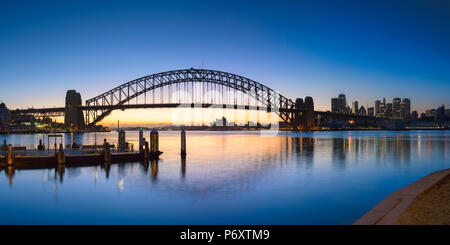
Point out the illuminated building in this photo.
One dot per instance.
(377, 108)
(405, 109)
(355, 109)
(396, 108)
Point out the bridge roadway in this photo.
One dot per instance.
(59, 111)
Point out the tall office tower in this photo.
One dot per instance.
(377, 108)
(362, 111)
(402, 110)
(396, 108)
(382, 110)
(440, 113)
(335, 105)
(355, 109)
(342, 103)
(389, 110)
(384, 101)
(414, 115)
(406, 109)
(370, 111)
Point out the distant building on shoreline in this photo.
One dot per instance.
(4, 116)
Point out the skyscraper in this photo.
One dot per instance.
(377, 108)
(382, 110)
(370, 111)
(355, 108)
(339, 104)
(362, 111)
(335, 105)
(396, 107)
(342, 103)
(406, 109)
(414, 115)
(389, 110)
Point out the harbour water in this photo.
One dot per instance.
(228, 177)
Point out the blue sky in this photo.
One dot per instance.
(365, 49)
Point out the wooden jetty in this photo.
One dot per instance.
(18, 157)
(33, 159)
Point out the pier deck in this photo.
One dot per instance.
(34, 159)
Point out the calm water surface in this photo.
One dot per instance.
(228, 178)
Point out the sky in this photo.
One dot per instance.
(365, 49)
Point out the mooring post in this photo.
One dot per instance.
(183, 142)
(154, 169)
(154, 141)
(10, 173)
(107, 153)
(122, 141)
(141, 140)
(183, 167)
(146, 150)
(60, 169)
(10, 157)
(60, 156)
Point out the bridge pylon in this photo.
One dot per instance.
(73, 114)
(303, 119)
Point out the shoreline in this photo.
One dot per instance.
(414, 204)
(223, 129)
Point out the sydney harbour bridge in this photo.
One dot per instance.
(189, 88)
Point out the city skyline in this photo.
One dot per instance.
(49, 48)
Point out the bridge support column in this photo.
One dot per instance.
(303, 119)
(73, 116)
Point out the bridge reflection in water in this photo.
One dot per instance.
(231, 177)
(235, 154)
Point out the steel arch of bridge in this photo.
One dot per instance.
(114, 98)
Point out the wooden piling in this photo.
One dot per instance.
(183, 142)
(107, 153)
(141, 140)
(146, 150)
(61, 158)
(154, 142)
(10, 156)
